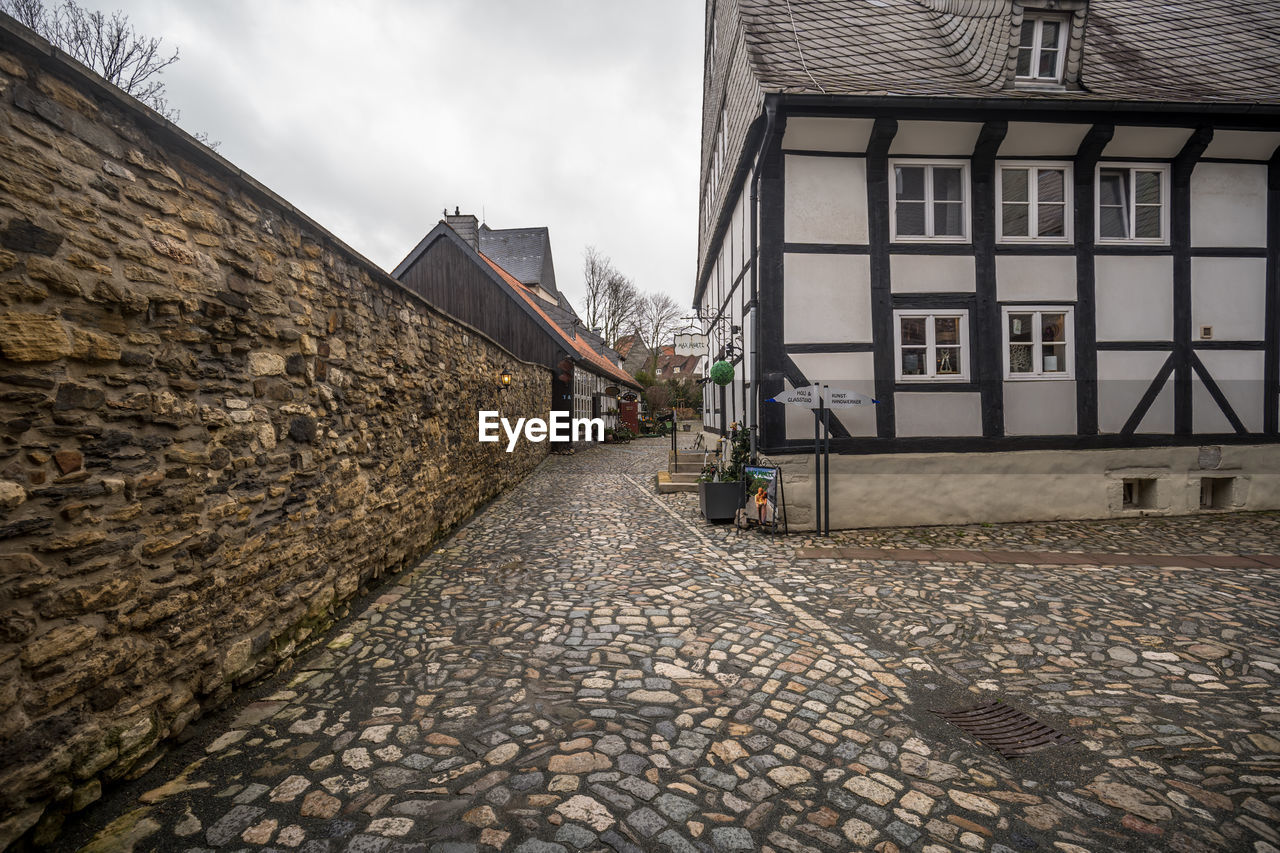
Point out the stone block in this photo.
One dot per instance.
(33, 337)
(266, 364)
(22, 235)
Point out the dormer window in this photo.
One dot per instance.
(1042, 49)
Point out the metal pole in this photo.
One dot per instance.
(817, 461)
(826, 464)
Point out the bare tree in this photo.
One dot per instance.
(612, 302)
(108, 44)
(657, 319)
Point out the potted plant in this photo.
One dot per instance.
(721, 490)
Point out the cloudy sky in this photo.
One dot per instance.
(372, 117)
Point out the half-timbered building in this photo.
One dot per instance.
(1044, 235)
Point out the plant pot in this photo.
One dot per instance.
(721, 501)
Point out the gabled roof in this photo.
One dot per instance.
(523, 252)
(1201, 51)
(580, 349)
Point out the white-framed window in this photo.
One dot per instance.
(1042, 49)
(930, 200)
(1039, 342)
(931, 345)
(1035, 202)
(1133, 202)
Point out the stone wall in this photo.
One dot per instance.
(217, 423)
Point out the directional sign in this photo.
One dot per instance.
(840, 399)
(797, 397)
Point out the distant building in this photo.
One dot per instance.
(531, 319)
(1043, 234)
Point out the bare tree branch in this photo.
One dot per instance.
(109, 45)
(658, 317)
(612, 302)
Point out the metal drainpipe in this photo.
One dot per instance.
(770, 112)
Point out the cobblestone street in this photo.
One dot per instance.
(589, 666)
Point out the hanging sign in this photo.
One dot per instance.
(840, 399)
(797, 397)
(690, 343)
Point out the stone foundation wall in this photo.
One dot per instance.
(216, 423)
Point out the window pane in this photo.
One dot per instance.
(910, 218)
(1048, 65)
(948, 219)
(946, 330)
(1016, 218)
(1020, 327)
(913, 362)
(1050, 185)
(1014, 185)
(1147, 187)
(1052, 220)
(1053, 328)
(948, 361)
(1055, 358)
(910, 182)
(1027, 37)
(1147, 222)
(913, 331)
(1020, 358)
(1112, 222)
(948, 184)
(1111, 187)
(1050, 33)
(1024, 59)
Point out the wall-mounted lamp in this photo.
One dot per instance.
(505, 379)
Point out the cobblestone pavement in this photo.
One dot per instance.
(588, 666)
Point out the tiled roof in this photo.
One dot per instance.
(1202, 51)
(523, 252)
(594, 361)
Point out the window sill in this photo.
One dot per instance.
(1131, 241)
(1031, 85)
(917, 240)
(1033, 378)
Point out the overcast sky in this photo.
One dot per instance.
(371, 118)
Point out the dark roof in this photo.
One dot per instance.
(523, 252)
(1201, 51)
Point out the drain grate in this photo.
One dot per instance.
(1005, 729)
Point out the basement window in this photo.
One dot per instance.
(1216, 492)
(1139, 493)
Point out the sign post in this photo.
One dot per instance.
(821, 400)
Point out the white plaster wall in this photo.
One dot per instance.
(1153, 142)
(932, 274)
(1134, 298)
(1230, 295)
(1123, 377)
(1242, 145)
(1037, 139)
(827, 134)
(943, 138)
(884, 490)
(1239, 376)
(1229, 205)
(937, 413)
(1035, 278)
(1040, 407)
(826, 200)
(854, 371)
(826, 298)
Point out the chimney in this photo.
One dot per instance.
(467, 226)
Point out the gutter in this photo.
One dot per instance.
(753, 305)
